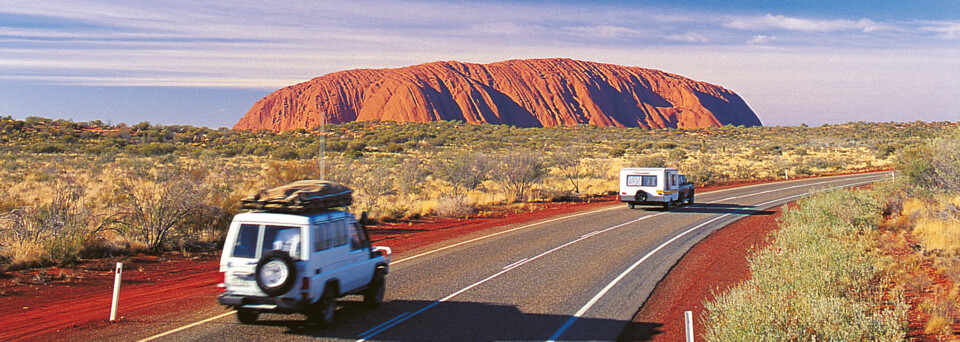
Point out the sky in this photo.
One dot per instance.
(205, 63)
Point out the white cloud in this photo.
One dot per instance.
(804, 25)
(761, 39)
(944, 29)
(604, 31)
(688, 37)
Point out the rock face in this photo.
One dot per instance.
(525, 93)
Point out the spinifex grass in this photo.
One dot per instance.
(816, 280)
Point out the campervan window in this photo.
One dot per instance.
(637, 180)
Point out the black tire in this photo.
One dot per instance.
(667, 205)
(373, 295)
(640, 197)
(322, 312)
(690, 200)
(245, 316)
(276, 273)
(680, 200)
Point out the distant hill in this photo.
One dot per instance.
(525, 93)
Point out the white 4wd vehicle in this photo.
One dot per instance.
(299, 263)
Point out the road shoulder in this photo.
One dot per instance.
(713, 265)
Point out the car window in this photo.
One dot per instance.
(673, 180)
(356, 236)
(340, 233)
(246, 244)
(284, 238)
(322, 237)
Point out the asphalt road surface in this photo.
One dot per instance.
(575, 277)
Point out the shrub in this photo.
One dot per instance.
(49, 233)
(617, 152)
(47, 147)
(151, 207)
(935, 166)
(816, 281)
(285, 153)
(518, 171)
(152, 149)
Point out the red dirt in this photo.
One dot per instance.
(713, 265)
(42, 302)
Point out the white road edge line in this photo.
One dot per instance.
(465, 289)
(185, 327)
(478, 239)
(514, 264)
(616, 207)
(620, 277)
(500, 233)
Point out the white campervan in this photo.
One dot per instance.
(654, 185)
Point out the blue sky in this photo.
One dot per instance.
(205, 63)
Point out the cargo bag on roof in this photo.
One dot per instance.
(300, 196)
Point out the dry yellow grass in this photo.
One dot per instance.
(936, 234)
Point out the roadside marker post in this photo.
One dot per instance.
(688, 322)
(116, 292)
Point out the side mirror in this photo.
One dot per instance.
(364, 218)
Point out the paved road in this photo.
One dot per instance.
(576, 277)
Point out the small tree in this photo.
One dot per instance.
(151, 208)
(464, 171)
(570, 167)
(518, 171)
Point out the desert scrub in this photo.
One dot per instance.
(816, 280)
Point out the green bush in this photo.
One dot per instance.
(47, 147)
(151, 149)
(816, 281)
(933, 167)
(285, 153)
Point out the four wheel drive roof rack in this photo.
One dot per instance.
(300, 197)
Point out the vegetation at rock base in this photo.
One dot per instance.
(153, 187)
(875, 264)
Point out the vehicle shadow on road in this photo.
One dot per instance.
(450, 321)
(714, 208)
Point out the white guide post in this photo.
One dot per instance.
(688, 322)
(116, 292)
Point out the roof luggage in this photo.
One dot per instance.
(300, 196)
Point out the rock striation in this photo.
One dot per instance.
(524, 93)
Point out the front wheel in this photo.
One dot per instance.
(373, 296)
(690, 200)
(247, 316)
(667, 205)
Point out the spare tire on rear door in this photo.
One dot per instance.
(276, 272)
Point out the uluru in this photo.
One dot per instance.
(524, 93)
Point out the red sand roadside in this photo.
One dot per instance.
(42, 302)
(714, 264)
